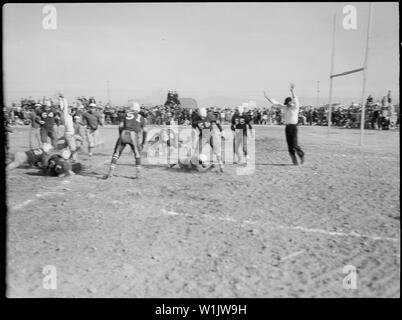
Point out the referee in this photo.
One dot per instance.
(291, 108)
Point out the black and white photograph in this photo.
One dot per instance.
(201, 150)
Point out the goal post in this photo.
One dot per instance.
(342, 74)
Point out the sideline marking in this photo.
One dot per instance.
(298, 228)
(18, 206)
(292, 255)
(39, 195)
(341, 234)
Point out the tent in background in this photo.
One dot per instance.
(188, 103)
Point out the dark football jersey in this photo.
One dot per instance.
(240, 122)
(48, 116)
(205, 125)
(35, 156)
(208, 122)
(56, 165)
(132, 123)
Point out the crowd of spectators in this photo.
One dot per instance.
(378, 115)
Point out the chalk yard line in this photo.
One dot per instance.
(42, 195)
(296, 228)
(292, 255)
(38, 195)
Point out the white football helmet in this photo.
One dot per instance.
(66, 154)
(134, 106)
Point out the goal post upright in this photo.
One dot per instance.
(330, 75)
(365, 74)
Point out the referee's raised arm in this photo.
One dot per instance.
(273, 101)
(294, 97)
(265, 95)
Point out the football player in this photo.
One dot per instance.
(190, 160)
(33, 157)
(67, 119)
(132, 131)
(209, 132)
(59, 165)
(239, 126)
(46, 117)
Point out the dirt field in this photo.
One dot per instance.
(283, 231)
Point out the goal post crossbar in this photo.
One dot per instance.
(346, 73)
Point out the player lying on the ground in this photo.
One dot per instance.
(132, 132)
(50, 163)
(60, 165)
(164, 143)
(190, 159)
(33, 157)
(196, 162)
(209, 132)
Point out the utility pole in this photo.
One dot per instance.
(108, 92)
(318, 94)
(330, 75)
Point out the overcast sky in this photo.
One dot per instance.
(200, 49)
